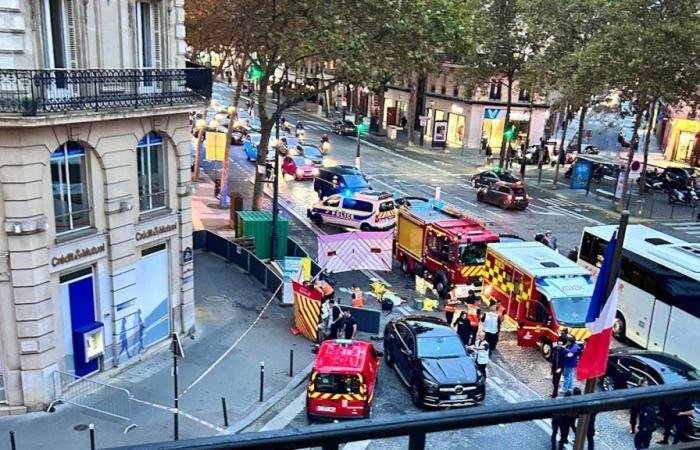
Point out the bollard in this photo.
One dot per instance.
(223, 406)
(437, 192)
(92, 437)
(291, 362)
(262, 378)
(13, 446)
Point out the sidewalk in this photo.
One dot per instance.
(228, 301)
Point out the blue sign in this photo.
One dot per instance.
(292, 268)
(491, 113)
(581, 174)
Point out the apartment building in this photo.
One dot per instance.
(95, 184)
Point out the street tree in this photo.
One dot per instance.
(649, 50)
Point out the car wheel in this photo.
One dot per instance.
(416, 396)
(480, 197)
(388, 359)
(405, 268)
(607, 383)
(618, 328)
(365, 227)
(546, 349)
(318, 220)
(442, 285)
(523, 208)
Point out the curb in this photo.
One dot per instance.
(265, 406)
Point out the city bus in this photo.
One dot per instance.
(659, 288)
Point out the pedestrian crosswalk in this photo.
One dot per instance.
(689, 228)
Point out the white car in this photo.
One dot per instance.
(367, 210)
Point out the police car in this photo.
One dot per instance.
(366, 210)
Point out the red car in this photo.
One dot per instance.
(299, 167)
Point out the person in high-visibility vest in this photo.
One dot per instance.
(326, 289)
(451, 306)
(358, 300)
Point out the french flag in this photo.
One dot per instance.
(599, 321)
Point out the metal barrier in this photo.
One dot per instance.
(93, 395)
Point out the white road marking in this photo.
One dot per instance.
(679, 224)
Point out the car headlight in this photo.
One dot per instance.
(300, 172)
(315, 172)
(431, 387)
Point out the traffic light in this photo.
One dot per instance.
(509, 133)
(361, 128)
(255, 72)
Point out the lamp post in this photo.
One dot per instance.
(275, 180)
(201, 124)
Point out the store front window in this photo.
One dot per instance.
(455, 129)
(494, 126)
(686, 144)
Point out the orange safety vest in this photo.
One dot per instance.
(327, 289)
(358, 302)
(473, 315)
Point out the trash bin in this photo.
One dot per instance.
(235, 205)
(391, 131)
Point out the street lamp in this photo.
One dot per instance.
(275, 179)
(201, 124)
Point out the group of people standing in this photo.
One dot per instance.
(477, 330)
(564, 361)
(336, 323)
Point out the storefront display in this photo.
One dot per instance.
(456, 126)
(440, 134)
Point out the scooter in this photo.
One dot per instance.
(685, 196)
(325, 147)
(653, 182)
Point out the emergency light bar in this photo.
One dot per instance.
(454, 211)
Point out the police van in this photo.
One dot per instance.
(367, 210)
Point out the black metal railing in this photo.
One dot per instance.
(55, 91)
(417, 426)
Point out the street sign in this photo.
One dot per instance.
(636, 165)
(187, 255)
(423, 120)
(344, 101)
(581, 174)
(620, 188)
(176, 346)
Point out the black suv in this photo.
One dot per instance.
(345, 180)
(344, 128)
(430, 359)
(489, 177)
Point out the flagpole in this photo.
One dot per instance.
(582, 426)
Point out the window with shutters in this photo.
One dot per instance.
(70, 188)
(58, 37)
(148, 34)
(151, 173)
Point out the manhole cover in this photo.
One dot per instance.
(80, 427)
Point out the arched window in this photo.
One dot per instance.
(71, 202)
(151, 171)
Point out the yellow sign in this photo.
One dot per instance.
(216, 146)
(306, 268)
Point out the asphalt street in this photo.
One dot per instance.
(518, 373)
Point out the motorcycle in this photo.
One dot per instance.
(685, 196)
(325, 146)
(653, 182)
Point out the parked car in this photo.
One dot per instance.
(489, 177)
(238, 134)
(299, 167)
(345, 180)
(430, 359)
(505, 195)
(344, 128)
(250, 145)
(366, 211)
(311, 152)
(532, 155)
(627, 368)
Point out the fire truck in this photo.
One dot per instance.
(540, 290)
(442, 244)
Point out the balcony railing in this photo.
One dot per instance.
(57, 91)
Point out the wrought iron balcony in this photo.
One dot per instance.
(58, 91)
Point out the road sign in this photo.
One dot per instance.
(636, 165)
(423, 120)
(176, 346)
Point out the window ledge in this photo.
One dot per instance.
(73, 235)
(158, 213)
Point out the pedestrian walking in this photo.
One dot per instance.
(557, 364)
(560, 428)
(647, 425)
(482, 349)
(668, 415)
(464, 329)
(491, 326)
(570, 363)
(404, 121)
(350, 326)
(451, 305)
(634, 411)
(337, 319)
(217, 188)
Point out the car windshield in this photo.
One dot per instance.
(472, 253)
(301, 161)
(571, 311)
(440, 347)
(312, 152)
(386, 206)
(337, 383)
(355, 181)
(518, 191)
(507, 176)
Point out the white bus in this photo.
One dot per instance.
(659, 288)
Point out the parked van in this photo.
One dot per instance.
(343, 380)
(344, 180)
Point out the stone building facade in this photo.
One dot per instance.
(95, 184)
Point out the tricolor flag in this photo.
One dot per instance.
(599, 321)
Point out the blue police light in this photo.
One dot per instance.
(541, 282)
(347, 193)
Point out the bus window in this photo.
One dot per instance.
(592, 249)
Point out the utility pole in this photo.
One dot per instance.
(275, 180)
(176, 349)
(584, 419)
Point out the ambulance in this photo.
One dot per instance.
(343, 380)
(541, 292)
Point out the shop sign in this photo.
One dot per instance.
(77, 255)
(519, 116)
(491, 113)
(155, 231)
(423, 120)
(457, 109)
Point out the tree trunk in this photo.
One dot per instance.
(581, 121)
(647, 138)
(266, 125)
(561, 147)
(630, 156)
(380, 113)
(411, 113)
(504, 143)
